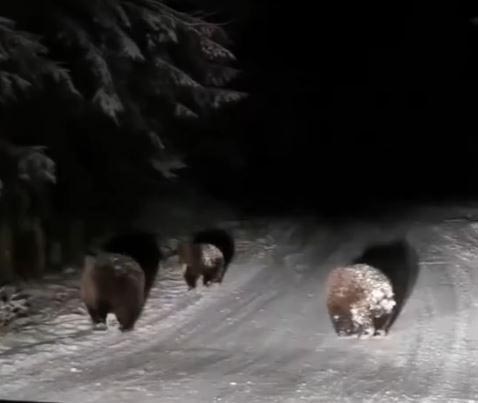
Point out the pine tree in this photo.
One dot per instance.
(139, 61)
(118, 74)
(25, 65)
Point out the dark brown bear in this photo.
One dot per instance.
(120, 277)
(113, 283)
(143, 247)
(201, 259)
(220, 238)
(360, 301)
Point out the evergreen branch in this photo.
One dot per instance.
(181, 111)
(167, 164)
(174, 74)
(128, 46)
(120, 13)
(218, 75)
(109, 102)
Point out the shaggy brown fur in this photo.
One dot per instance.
(113, 283)
(143, 248)
(398, 260)
(201, 259)
(360, 301)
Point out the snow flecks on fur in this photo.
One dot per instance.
(210, 254)
(360, 300)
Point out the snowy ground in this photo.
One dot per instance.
(264, 335)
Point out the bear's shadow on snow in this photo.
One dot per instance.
(398, 260)
(221, 239)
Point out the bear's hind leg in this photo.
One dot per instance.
(207, 279)
(127, 316)
(342, 324)
(367, 328)
(220, 274)
(98, 315)
(382, 324)
(191, 278)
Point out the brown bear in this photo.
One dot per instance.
(360, 301)
(398, 260)
(220, 238)
(143, 247)
(113, 283)
(118, 276)
(201, 259)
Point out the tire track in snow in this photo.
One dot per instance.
(435, 299)
(460, 246)
(89, 356)
(237, 344)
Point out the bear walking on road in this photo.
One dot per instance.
(201, 259)
(119, 277)
(113, 283)
(360, 300)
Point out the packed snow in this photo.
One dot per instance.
(264, 334)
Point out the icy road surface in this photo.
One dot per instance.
(264, 335)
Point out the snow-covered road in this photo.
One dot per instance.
(264, 335)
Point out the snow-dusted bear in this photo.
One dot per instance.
(219, 238)
(360, 301)
(201, 259)
(143, 247)
(118, 278)
(113, 283)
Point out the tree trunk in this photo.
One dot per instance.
(75, 247)
(29, 256)
(7, 272)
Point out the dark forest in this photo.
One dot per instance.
(337, 110)
(238, 201)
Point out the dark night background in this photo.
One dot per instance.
(360, 125)
(352, 109)
(350, 105)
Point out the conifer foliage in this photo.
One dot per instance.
(138, 61)
(25, 65)
(138, 65)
